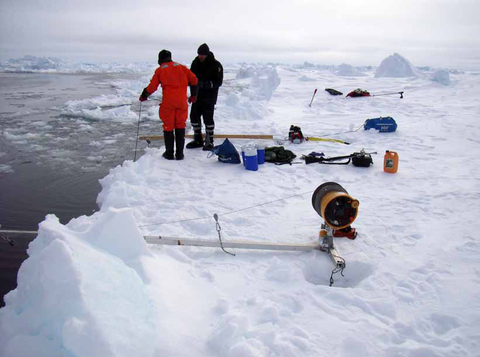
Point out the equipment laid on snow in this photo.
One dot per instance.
(382, 124)
(333, 91)
(295, 134)
(314, 92)
(360, 159)
(251, 158)
(390, 162)
(363, 93)
(333, 203)
(260, 153)
(339, 210)
(310, 159)
(377, 95)
(226, 153)
(279, 155)
(358, 93)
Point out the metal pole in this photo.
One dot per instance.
(377, 95)
(314, 92)
(138, 129)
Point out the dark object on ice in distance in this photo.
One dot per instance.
(383, 125)
(226, 153)
(358, 93)
(333, 91)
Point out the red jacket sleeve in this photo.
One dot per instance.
(155, 81)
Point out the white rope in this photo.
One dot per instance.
(227, 213)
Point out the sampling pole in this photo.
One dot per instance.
(314, 92)
(401, 94)
(138, 129)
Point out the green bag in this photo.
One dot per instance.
(279, 155)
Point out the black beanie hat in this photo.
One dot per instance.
(164, 56)
(203, 50)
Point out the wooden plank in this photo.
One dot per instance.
(217, 136)
(194, 242)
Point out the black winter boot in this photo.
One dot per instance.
(197, 141)
(208, 146)
(179, 143)
(169, 143)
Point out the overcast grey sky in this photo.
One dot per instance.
(439, 33)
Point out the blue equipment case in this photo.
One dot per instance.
(383, 125)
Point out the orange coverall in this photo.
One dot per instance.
(174, 78)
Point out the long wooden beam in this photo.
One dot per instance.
(217, 136)
(337, 261)
(244, 136)
(195, 242)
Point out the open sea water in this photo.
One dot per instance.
(49, 162)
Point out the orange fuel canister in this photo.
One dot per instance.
(390, 162)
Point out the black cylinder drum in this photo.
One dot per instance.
(332, 202)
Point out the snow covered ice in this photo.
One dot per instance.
(348, 71)
(442, 76)
(93, 287)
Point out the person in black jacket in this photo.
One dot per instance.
(210, 77)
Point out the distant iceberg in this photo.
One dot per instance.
(29, 64)
(396, 66)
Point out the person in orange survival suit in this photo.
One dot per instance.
(174, 79)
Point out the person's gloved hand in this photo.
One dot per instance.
(192, 99)
(144, 96)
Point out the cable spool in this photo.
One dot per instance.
(332, 202)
